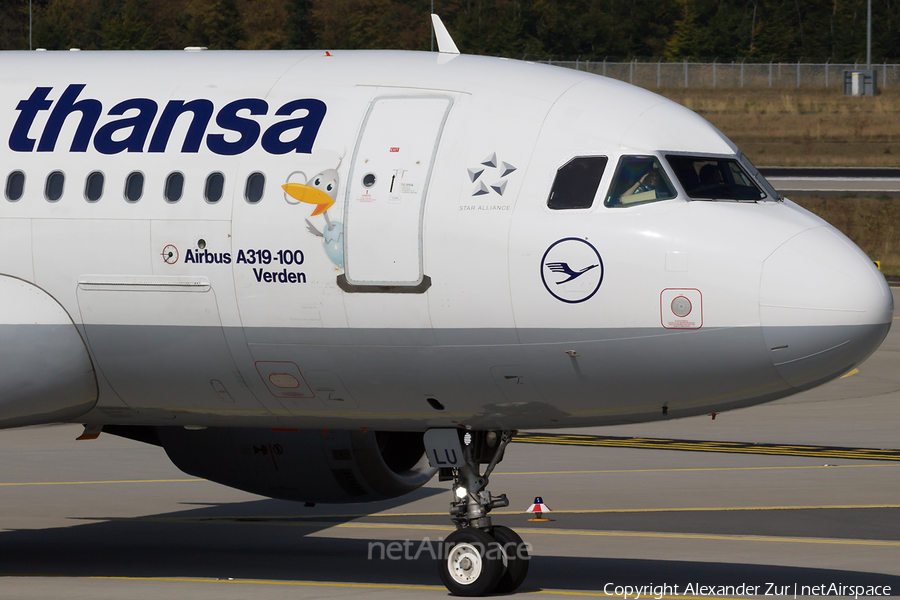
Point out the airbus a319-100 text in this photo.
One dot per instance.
(363, 256)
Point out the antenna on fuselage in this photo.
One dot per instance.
(444, 41)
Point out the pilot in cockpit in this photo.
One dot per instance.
(639, 179)
(649, 182)
(710, 176)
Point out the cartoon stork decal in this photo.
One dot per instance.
(321, 191)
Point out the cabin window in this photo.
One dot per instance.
(638, 180)
(714, 178)
(215, 184)
(174, 187)
(93, 186)
(256, 184)
(15, 186)
(53, 191)
(134, 186)
(576, 183)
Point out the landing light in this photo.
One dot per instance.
(461, 492)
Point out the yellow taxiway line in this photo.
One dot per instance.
(688, 469)
(308, 521)
(599, 533)
(319, 519)
(285, 519)
(497, 474)
(332, 584)
(706, 536)
(24, 483)
(560, 439)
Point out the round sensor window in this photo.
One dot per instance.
(681, 306)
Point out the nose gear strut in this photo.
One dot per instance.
(479, 558)
(472, 510)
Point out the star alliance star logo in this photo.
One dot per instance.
(493, 170)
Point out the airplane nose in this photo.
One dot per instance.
(824, 307)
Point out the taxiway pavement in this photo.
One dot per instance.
(833, 181)
(114, 519)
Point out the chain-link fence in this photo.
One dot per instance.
(658, 74)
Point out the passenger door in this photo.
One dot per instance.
(387, 191)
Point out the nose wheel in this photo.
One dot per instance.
(480, 558)
(473, 564)
(515, 551)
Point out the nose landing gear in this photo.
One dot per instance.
(480, 558)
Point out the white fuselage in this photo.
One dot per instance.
(423, 289)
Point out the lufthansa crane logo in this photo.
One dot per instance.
(572, 270)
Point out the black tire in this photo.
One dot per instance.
(471, 563)
(517, 559)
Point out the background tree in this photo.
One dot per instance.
(128, 26)
(676, 29)
(301, 30)
(14, 25)
(215, 24)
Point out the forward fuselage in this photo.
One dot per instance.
(431, 285)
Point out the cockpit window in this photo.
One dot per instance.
(758, 177)
(714, 178)
(576, 183)
(639, 179)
